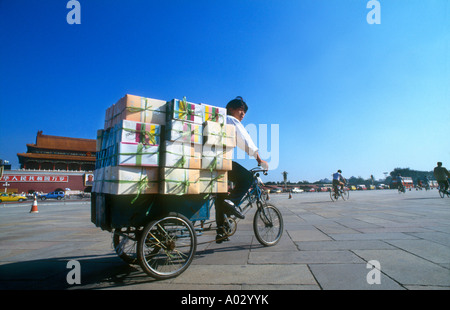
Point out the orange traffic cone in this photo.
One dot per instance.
(34, 208)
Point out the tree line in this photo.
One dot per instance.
(404, 172)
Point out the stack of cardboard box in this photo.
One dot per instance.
(151, 146)
(128, 148)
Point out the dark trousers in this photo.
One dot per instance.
(242, 179)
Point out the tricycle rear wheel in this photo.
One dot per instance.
(124, 242)
(167, 246)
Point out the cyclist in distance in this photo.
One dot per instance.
(241, 177)
(338, 181)
(441, 174)
(400, 182)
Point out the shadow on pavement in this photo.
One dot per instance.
(51, 274)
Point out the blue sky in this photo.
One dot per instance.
(345, 94)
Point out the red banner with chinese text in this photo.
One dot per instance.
(34, 178)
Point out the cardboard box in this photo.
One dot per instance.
(178, 181)
(213, 182)
(184, 132)
(219, 134)
(137, 154)
(107, 138)
(214, 114)
(127, 131)
(109, 113)
(139, 109)
(185, 111)
(100, 185)
(217, 158)
(181, 155)
(98, 180)
(99, 140)
(106, 157)
(132, 180)
(106, 184)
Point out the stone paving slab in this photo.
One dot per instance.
(349, 277)
(304, 257)
(344, 245)
(428, 250)
(308, 235)
(372, 236)
(407, 268)
(272, 274)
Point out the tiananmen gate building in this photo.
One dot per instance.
(52, 163)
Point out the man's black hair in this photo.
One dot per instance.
(237, 103)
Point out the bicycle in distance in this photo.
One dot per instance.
(161, 232)
(337, 192)
(401, 189)
(442, 191)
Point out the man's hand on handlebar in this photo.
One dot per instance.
(258, 169)
(263, 164)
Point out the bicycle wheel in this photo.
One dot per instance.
(345, 194)
(124, 242)
(167, 246)
(333, 196)
(268, 225)
(441, 193)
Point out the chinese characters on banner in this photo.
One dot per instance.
(34, 178)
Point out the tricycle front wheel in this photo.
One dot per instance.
(167, 246)
(268, 224)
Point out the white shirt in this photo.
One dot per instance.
(243, 139)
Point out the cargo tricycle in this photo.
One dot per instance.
(159, 232)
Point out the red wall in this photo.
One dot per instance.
(74, 181)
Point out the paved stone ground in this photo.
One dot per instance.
(325, 246)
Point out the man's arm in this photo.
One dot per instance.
(245, 142)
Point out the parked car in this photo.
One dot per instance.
(383, 186)
(11, 197)
(361, 187)
(297, 190)
(53, 195)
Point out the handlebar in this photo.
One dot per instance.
(258, 169)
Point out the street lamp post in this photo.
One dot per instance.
(284, 173)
